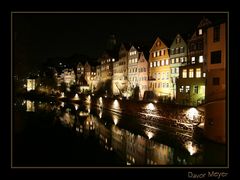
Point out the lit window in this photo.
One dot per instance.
(200, 32)
(162, 62)
(204, 74)
(181, 89)
(177, 60)
(187, 89)
(200, 59)
(177, 70)
(184, 73)
(154, 64)
(191, 73)
(198, 72)
(167, 61)
(193, 60)
(158, 63)
(172, 70)
(157, 53)
(135, 60)
(150, 64)
(172, 61)
(182, 59)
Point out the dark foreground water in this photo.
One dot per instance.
(77, 135)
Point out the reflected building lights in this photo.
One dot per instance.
(30, 106)
(191, 148)
(115, 119)
(76, 106)
(192, 113)
(116, 104)
(76, 97)
(150, 106)
(149, 134)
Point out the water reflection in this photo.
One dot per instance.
(146, 146)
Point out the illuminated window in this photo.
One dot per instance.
(182, 59)
(204, 74)
(163, 52)
(157, 53)
(135, 60)
(172, 70)
(198, 72)
(172, 61)
(150, 64)
(200, 32)
(177, 60)
(191, 75)
(181, 89)
(158, 63)
(193, 60)
(177, 70)
(154, 64)
(167, 61)
(162, 62)
(184, 73)
(187, 89)
(200, 59)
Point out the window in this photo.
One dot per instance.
(167, 75)
(216, 33)
(172, 70)
(182, 59)
(163, 76)
(163, 85)
(181, 89)
(158, 63)
(204, 74)
(172, 61)
(215, 57)
(193, 60)
(200, 32)
(167, 61)
(195, 89)
(215, 81)
(191, 73)
(177, 70)
(158, 76)
(162, 62)
(158, 85)
(200, 59)
(177, 60)
(158, 53)
(172, 51)
(198, 72)
(155, 54)
(187, 89)
(163, 52)
(184, 73)
(181, 49)
(150, 64)
(167, 85)
(135, 60)
(154, 64)
(177, 50)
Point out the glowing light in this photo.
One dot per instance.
(76, 97)
(30, 106)
(191, 148)
(192, 113)
(155, 101)
(88, 100)
(62, 104)
(62, 95)
(76, 106)
(149, 134)
(115, 119)
(150, 106)
(100, 114)
(100, 101)
(115, 104)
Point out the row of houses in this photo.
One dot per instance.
(187, 71)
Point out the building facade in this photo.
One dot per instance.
(215, 120)
(192, 82)
(159, 70)
(178, 57)
(142, 75)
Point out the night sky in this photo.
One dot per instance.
(39, 36)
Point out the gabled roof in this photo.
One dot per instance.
(161, 43)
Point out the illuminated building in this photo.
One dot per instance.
(192, 77)
(215, 108)
(178, 57)
(107, 60)
(142, 74)
(120, 73)
(67, 76)
(31, 84)
(159, 70)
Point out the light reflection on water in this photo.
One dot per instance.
(133, 148)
